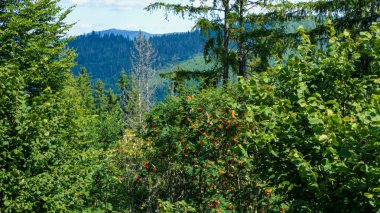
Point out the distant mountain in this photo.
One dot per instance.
(104, 54)
(125, 33)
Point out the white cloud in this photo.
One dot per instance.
(131, 27)
(114, 4)
(84, 26)
(81, 28)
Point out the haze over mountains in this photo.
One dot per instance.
(105, 53)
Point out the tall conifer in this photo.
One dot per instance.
(45, 161)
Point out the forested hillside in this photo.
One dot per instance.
(272, 118)
(105, 54)
(125, 33)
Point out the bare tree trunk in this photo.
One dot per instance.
(123, 100)
(242, 59)
(226, 63)
(143, 59)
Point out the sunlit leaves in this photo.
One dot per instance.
(308, 129)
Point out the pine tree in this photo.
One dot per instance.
(83, 89)
(123, 87)
(354, 15)
(109, 126)
(127, 100)
(100, 97)
(40, 112)
(218, 24)
(235, 31)
(113, 119)
(84, 85)
(259, 33)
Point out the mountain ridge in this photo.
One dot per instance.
(131, 34)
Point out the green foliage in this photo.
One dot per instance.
(240, 34)
(47, 153)
(355, 15)
(39, 143)
(129, 100)
(303, 136)
(194, 63)
(180, 206)
(198, 144)
(119, 183)
(109, 126)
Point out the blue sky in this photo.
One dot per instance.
(121, 14)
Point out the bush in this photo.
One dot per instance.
(303, 136)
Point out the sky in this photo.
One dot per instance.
(96, 15)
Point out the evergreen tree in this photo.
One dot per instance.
(215, 18)
(354, 15)
(109, 124)
(87, 103)
(100, 97)
(113, 119)
(128, 100)
(40, 112)
(84, 85)
(234, 32)
(258, 32)
(123, 87)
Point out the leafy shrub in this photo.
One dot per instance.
(180, 206)
(120, 182)
(303, 136)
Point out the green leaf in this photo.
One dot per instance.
(335, 142)
(325, 162)
(272, 151)
(315, 121)
(240, 150)
(346, 119)
(329, 112)
(346, 33)
(323, 138)
(372, 202)
(364, 168)
(368, 195)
